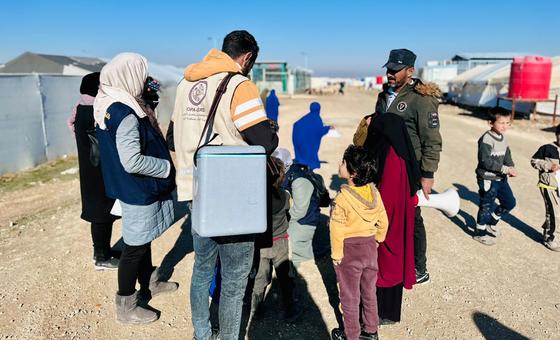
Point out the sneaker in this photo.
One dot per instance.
(106, 264)
(368, 336)
(338, 334)
(485, 236)
(422, 278)
(493, 230)
(552, 245)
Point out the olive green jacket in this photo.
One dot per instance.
(418, 104)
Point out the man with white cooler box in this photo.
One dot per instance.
(216, 104)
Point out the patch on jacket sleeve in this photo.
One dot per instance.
(402, 106)
(433, 120)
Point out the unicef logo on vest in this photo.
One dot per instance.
(198, 92)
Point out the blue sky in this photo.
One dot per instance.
(339, 38)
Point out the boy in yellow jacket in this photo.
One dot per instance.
(358, 222)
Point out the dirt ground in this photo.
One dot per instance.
(49, 289)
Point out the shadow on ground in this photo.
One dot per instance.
(491, 328)
(336, 182)
(469, 222)
(322, 250)
(311, 324)
(183, 245)
(272, 326)
(463, 219)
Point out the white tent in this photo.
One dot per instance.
(169, 76)
(457, 83)
(483, 89)
(481, 86)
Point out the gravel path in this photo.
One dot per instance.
(508, 291)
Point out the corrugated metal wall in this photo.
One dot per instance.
(31, 107)
(33, 113)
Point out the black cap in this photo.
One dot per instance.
(399, 59)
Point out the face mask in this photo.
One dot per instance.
(150, 93)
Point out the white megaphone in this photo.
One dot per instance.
(448, 201)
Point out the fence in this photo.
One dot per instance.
(33, 113)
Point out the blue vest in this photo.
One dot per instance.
(133, 189)
(313, 214)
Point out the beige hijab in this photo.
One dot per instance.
(121, 80)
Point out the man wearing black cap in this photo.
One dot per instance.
(417, 103)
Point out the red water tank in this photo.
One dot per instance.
(530, 77)
(379, 80)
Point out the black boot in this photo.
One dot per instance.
(104, 261)
(338, 334)
(368, 336)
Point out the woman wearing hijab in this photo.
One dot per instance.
(306, 137)
(96, 206)
(389, 142)
(272, 104)
(137, 170)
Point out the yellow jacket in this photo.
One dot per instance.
(356, 212)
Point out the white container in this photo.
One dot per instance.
(229, 191)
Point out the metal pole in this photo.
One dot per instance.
(534, 112)
(512, 110)
(554, 112)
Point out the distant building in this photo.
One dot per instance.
(467, 61)
(439, 72)
(442, 72)
(271, 75)
(30, 62)
(277, 75)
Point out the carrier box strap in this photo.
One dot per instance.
(208, 126)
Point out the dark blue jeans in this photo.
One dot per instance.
(236, 259)
(488, 212)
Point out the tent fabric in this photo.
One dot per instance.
(483, 89)
(496, 73)
(461, 78)
(481, 86)
(457, 83)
